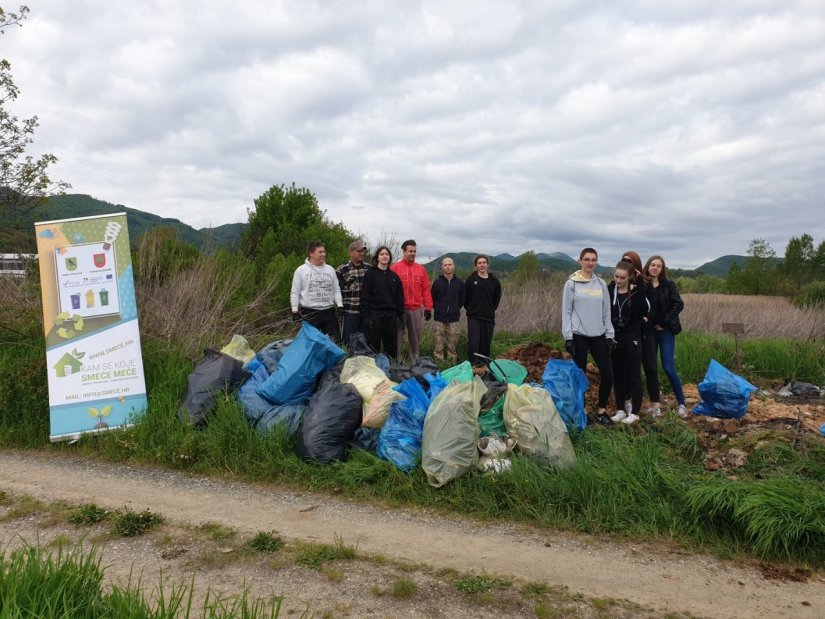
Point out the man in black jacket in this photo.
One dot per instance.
(448, 299)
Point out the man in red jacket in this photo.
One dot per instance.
(418, 301)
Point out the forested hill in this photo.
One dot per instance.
(17, 231)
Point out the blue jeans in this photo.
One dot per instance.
(352, 325)
(666, 343)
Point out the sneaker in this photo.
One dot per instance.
(628, 406)
(631, 418)
(682, 411)
(603, 419)
(619, 416)
(654, 410)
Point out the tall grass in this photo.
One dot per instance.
(62, 583)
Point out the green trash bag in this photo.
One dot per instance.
(507, 370)
(532, 419)
(491, 422)
(448, 447)
(463, 373)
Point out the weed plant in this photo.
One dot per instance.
(127, 523)
(265, 541)
(88, 515)
(58, 583)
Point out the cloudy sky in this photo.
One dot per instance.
(471, 126)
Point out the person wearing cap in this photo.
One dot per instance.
(351, 280)
(418, 301)
(448, 299)
(315, 292)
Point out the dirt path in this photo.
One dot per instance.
(655, 577)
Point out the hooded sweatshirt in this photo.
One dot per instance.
(315, 287)
(585, 307)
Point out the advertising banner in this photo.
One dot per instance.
(93, 359)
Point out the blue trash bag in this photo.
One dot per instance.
(311, 354)
(724, 394)
(270, 355)
(366, 438)
(435, 385)
(260, 412)
(567, 385)
(400, 438)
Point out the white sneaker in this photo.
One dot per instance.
(619, 416)
(654, 410)
(631, 418)
(628, 406)
(682, 411)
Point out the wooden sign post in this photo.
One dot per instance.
(735, 329)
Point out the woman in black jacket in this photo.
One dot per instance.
(382, 304)
(628, 309)
(482, 294)
(665, 306)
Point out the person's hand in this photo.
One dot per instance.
(611, 344)
(570, 347)
(296, 317)
(427, 314)
(339, 313)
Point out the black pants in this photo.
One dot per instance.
(627, 366)
(324, 320)
(479, 339)
(382, 333)
(596, 346)
(651, 364)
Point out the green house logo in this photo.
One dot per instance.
(68, 364)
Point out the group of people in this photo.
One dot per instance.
(624, 326)
(385, 299)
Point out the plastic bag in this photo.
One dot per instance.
(311, 354)
(724, 394)
(215, 373)
(270, 355)
(508, 371)
(400, 438)
(260, 412)
(448, 446)
(375, 388)
(366, 438)
(566, 382)
(494, 452)
(463, 373)
(330, 420)
(238, 348)
(532, 419)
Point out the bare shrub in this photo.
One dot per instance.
(21, 311)
(530, 307)
(763, 317)
(196, 306)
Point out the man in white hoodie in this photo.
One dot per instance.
(315, 292)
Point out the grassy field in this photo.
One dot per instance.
(646, 481)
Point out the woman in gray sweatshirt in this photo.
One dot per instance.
(586, 325)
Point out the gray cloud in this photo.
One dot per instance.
(682, 130)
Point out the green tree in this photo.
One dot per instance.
(735, 282)
(528, 267)
(818, 262)
(24, 179)
(798, 264)
(281, 225)
(760, 271)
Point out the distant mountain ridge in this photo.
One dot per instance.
(20, 237)
(17, 236)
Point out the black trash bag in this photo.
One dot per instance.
(418, 370)
(358, 346)
(366, 438)
(333, 376)
(495, 390)
(217, 372)
(330, 420)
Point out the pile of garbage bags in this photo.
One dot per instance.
(448, 423)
